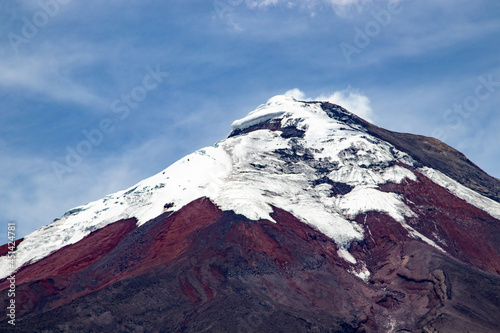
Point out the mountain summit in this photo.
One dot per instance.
(306, 218)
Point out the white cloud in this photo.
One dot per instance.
(226, 10)
(350, 99)
(341, 7)
(261, 3)
(296, 93)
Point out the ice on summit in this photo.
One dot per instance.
(274, 108)
(228, 175)
(251, 173)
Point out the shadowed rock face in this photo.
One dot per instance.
(273, 125)
(201, 269)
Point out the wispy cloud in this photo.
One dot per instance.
(353, 101)
(403, 41)
(350, 99)
(226, 10)
(50, 75)
(340, 6)
(297, 94)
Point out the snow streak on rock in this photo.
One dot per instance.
(475, 199)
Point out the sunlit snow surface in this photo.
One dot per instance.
(252, 172)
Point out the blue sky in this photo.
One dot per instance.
(97, 95)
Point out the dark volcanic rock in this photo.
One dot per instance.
(273, 125)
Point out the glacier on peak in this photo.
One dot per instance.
(253, 172)
(275, 107)
(249, 174)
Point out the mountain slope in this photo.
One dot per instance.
(306, 218)
(437, 155)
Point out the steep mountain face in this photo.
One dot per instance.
(305, 219)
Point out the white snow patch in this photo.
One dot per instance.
(344, 254)
(251, 192)
(361, 271)
(364, 199)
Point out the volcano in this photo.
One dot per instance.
(306, 218)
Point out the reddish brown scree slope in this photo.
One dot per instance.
(201, 268)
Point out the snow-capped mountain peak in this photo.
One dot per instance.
(306, 216)
(312, 159)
